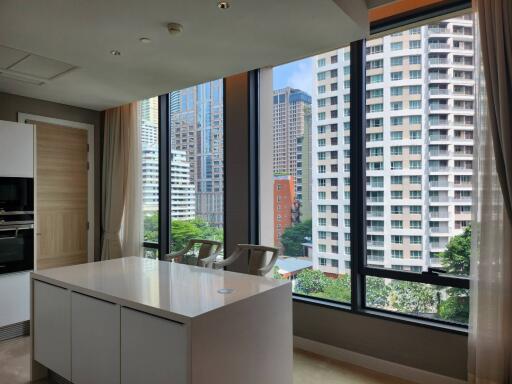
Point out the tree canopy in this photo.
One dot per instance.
(293, 237)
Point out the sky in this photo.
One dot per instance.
(297, 74)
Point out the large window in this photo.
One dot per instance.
(148, 112)
(409, 239)
(311, 174)
(196, 207)
(195, 168)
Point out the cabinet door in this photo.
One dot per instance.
(153, 350)
(95, 334)
(52, 328)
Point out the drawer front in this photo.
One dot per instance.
(52, 328)
(96, 337)
(153, 350)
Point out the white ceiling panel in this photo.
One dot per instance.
(214, 43)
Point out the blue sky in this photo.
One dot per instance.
(297, 74)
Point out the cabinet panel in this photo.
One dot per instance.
(153, 350)
(16, 149)
(96, 338)
(52, 328)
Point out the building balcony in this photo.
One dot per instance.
(439, 152)
(438, 31)
(438, 215)
(440, 168)
(441, 46)
(439, 138)
(438, 76)
(374, 214)
(375, 244)
(439, 92)
(378, 259)
(439, 107)
(440, 184)
(374, 185)
(375, 228)
(439, 199)
(438, 61)
(438, 230)
(375, 199)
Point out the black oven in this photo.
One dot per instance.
(16, 194)
(16, 224)
(16, 248)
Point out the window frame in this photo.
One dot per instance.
(360, 269)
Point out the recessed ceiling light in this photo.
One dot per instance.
(145, 40)
(115, 52)
(223, 5)
(174, 28)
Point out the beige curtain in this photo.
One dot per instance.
(118, 147)
(132, 228)
(490, 329)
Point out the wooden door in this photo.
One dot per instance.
(61, 195)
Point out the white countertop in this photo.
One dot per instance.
(176, 289)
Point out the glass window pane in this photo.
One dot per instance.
(311, 165)
(197, 164)
(418, 299)
(149, 138)
(421, 152)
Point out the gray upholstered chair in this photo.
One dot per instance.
(201, 252)
(257, 264)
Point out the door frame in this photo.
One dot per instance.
(25, 118)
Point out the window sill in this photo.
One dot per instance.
(384, 315)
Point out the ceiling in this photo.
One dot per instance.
(59, 50)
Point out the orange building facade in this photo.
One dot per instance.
(284, 198)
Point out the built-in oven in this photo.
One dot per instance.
(16, 224)
(16, 194)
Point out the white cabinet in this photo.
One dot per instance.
(52, 327)
(14, 298)
(95, 355)
(153, 350)
(16, 149)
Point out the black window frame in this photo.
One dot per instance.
(164, 243)
(359, 269)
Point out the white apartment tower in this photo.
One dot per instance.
(420, 106)
(182, 189)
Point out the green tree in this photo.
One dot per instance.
(293, 237)
(311, 281)
(376, 292)
(337, 289)
(414, 298)
(456, 260)
(184, 230)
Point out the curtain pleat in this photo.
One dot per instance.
(120, 125)
(490, 324)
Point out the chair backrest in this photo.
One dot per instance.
(258, 264)
(206, 247)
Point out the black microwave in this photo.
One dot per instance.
(16, 194)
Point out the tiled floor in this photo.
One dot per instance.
(308, 368)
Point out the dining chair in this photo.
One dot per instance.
(203, 257)
(257, 263)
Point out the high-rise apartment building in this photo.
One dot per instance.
(148, 113)
(197, 128)
(291, 121)
(182, 189)
(419, 147)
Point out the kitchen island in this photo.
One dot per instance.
(137, 320)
